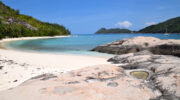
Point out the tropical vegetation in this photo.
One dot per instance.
(169, 26)
(113, 30)
(14, 24)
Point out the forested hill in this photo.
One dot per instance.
(14, 24)
(112, 30)
(169, 26)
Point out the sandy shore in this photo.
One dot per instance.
(30, 38)
(6, 40)
(17, 66)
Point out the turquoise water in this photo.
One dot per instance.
(80, 44)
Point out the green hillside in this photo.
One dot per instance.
(169, 26)
(113, 30)
(14, 24)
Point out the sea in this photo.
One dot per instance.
(77, 44)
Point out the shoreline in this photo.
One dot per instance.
(30, 38)
(6, 40)
(18, 66)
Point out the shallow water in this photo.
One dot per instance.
(78, 44)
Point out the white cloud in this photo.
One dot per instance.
(150, 23)
(124, 24)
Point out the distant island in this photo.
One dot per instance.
(14, 24)
(169, 26)
(113, 30)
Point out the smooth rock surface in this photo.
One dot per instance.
(100, 82)
(165, 71)
(136, 44)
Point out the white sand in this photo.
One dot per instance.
(25, 65)
(30, 38)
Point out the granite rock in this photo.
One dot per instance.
(136, 44)
(100, 82)
(165, 71)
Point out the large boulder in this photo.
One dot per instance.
(136, 44)
(165, 71)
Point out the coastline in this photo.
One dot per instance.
(19, 66)
(6, 40)
(143, 73)
(30, 38)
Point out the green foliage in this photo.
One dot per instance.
(16, 29)
(169, 26)
(115, 30)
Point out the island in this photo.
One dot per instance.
(170, 26)
(13, 24)
(113, 30)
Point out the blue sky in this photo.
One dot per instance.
(87, 16)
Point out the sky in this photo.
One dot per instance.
(87, 16)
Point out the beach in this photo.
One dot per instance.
(19, 66)
(89, 50)
(143, 68)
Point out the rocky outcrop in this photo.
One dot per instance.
(24, 23)
(165, 71)
(101, 82)
(136, 44)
